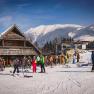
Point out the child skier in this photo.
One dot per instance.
(34, 64)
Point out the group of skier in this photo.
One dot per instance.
(36, 60)
(41, 61)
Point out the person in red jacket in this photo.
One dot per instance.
(34, 64)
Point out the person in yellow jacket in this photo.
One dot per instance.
(66, 57)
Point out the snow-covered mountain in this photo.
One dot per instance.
(85, 34)
(44, 33)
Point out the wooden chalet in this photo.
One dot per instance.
(13, 43)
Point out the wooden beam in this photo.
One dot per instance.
(2, 42)
(24, 43)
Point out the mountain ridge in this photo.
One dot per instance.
(44, 33)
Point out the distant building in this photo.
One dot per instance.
(81, 44)
(13, 43)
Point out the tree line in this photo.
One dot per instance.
(55, 45)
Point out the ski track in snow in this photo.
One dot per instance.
(55, 81)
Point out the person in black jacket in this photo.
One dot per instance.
(16, 66)
(92, 57)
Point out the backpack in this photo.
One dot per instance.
(38, 58)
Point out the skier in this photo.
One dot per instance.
(16, 66)
(74, 58)
(78, 57)
(34, 64)
(51, 61)
(62, 59)
(46, 60)
(24, 63)
(92, 57)
(38, 60)
(42, 64)
(1, 65)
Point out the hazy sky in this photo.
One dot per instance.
(31, 13)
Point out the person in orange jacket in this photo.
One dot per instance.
(34, 64)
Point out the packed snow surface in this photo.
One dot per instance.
(57, 80)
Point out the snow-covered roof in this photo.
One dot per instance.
(8, 29)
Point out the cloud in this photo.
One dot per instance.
(24, 5)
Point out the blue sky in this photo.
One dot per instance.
(31, 13)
